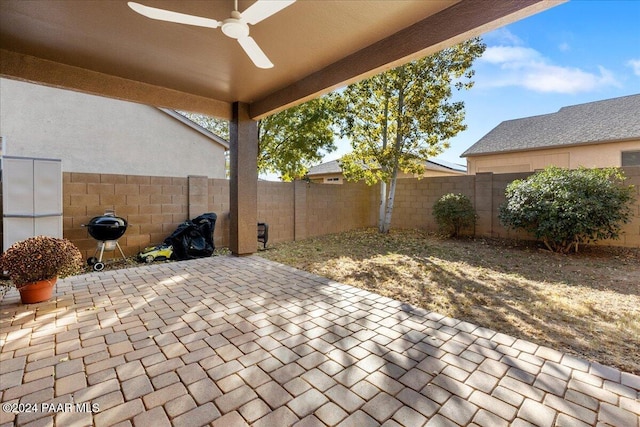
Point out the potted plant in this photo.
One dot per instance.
(34, 265)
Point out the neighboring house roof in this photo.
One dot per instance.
(447, 165)
(594, 122)
(325, 168)
(193, 125)
(333, 167)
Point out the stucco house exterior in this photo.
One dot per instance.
(68, 156)
(596, 134)
(93, 134)
(331, 172)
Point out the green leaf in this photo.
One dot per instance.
(399, 119)
(565, 208)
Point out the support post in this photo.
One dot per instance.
(243, 194)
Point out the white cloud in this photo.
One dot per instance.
(564, 47)
(553, 78)
(526, 67)
(635, 65)
(502, 36)
(509, 54)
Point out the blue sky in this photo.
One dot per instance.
(580, 51)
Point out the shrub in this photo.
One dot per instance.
(453, 213)
(565, 208)
(39, 258)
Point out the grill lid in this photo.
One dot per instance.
(106, 227)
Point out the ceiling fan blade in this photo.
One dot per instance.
(254, 52)
(167, 15)
(262, 9)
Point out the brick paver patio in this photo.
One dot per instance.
(228, 341)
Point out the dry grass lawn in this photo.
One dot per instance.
(586, 304)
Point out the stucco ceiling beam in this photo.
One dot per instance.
(49, 73)
(464, 20)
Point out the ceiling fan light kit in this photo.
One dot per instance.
(235, 27)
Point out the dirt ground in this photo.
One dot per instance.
(585, 304)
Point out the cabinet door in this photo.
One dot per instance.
(47, 188)
(17, 187)
(32, 198)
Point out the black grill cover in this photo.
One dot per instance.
(194, 238)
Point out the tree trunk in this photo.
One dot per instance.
(383, 205)
(386, 225)
(383, 183)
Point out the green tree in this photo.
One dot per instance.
(565, 208)
(400, 118)
(296, 138)
(289, 141)
(214, 125)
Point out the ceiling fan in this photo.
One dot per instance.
(235, 27)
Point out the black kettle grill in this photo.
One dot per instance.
(106, 229)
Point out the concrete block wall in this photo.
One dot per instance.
(276, 207)
(155, 206)
(483, 203)
(198, 195)
(331, 209)
(413, 206)
(496, 188)
(296, 210)
(490, 194)
(630, 236)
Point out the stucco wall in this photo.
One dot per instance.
(591, 156)
(92, 134)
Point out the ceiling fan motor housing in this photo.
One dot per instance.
(235, 27)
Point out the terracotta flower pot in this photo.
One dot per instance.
(37, 291)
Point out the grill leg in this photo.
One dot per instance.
(101, 251)
(121, 253)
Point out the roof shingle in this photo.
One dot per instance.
(610, 120)
(433, 164)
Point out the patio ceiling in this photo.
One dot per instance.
(103, 47)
